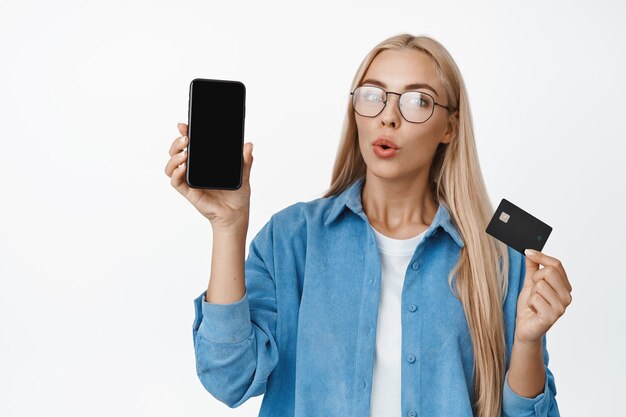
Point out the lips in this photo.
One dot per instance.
(385, 143)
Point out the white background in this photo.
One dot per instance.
(100, 258)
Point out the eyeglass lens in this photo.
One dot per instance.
(369, 101)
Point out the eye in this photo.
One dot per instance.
(373, 97)
(420, 101)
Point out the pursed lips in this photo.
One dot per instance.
(385, 143)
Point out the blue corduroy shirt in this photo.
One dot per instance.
(304, 333)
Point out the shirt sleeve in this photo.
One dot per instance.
(544, 404)
(234, 343)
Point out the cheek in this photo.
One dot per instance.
(364, 134)
(425, 138)
(420, 147)
(363, 127)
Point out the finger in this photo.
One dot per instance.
(183, 129)
(545, 260)
(178, 179)
(539, 304)
(247, 159)
(178, 145)
(531, 269)
(174, 162)
(554, 278)
(551, 296)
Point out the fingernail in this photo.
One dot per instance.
(529, 252)
(251, 147)
(182, 139)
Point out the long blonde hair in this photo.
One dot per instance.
(456, 179)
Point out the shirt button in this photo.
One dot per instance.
(415, 265)
(412, 413)
(369, 330)
(364, 384)
(410, 358)
(412, 308)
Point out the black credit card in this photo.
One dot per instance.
(518, 229)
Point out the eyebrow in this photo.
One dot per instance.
(406, 87)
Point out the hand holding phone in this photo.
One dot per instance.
(225, 209)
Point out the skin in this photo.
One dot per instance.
(545, 296)
(228, 211)
(395, 197)
(398, 203)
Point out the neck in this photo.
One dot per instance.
(404, 206)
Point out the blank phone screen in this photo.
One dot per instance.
(216, 130)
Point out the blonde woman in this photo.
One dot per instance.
(385, 297)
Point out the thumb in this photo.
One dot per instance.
(531, 268)
(247, 159)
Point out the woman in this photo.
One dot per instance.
(385, 297)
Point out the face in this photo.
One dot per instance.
(416, 142)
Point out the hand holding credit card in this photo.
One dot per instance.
(518, 229)
(545, 292)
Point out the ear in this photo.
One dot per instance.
(452, 128)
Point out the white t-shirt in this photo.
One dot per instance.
(386, 381)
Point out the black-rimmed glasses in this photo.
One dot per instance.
(415, 106)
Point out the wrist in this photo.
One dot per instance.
(527, 345)
(237, 227)
(238, 230)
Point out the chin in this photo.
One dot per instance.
(383, 173)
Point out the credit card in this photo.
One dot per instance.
(518, 229)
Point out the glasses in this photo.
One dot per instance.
(415, 106)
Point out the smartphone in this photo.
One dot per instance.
(216, 131)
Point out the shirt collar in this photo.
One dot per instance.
(351, 198)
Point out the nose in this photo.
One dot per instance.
(391, 113)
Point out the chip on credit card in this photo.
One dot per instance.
(518, 229)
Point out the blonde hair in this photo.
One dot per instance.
(455, 178)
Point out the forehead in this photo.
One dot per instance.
(396, 69)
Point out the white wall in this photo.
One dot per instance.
(100, 258)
